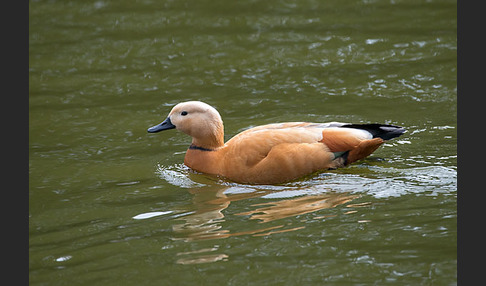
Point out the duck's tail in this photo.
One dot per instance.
(383, 131)
(364, 148)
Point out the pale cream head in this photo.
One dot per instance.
(199, 120)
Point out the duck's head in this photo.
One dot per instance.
(197, 119)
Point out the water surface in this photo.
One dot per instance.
(110, 204)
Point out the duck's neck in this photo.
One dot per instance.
(204, 160)
(195, 147)
(204, 154)
(211, 138)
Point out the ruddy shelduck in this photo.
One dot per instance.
(272, 153)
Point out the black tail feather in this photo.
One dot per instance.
(383, 131)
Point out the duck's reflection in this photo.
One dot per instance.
(298, 206)
(209, 216)
(205, 222)
(207, 219)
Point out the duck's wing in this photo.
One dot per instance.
(276, 153)
(254, 144)
(337, 136)
(281, 152)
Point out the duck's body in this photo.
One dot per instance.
(273, 153)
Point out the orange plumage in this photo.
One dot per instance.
(273, 153)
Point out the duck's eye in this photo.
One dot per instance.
(184, 113)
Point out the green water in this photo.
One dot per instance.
(110, 204)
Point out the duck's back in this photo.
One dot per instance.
(270, 135)
(284, 151)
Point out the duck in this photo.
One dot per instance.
(273, 153)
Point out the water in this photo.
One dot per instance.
(110, 204)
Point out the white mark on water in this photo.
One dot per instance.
(151, 214)
(64, 258)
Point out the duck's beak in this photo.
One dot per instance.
(166, 124)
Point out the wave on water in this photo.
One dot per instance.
(393, 182)
(380, 182)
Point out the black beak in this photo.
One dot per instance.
(165, 125)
